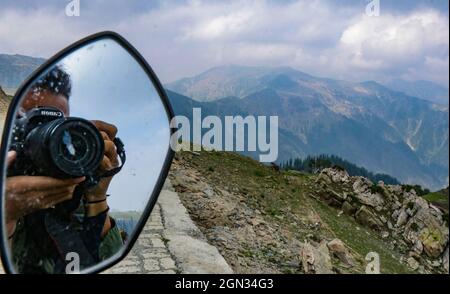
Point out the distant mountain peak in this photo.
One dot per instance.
(14, 69)
(422, 89)
(236, 80)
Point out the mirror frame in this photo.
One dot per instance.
(4, 250)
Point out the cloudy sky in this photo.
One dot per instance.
(337, 39)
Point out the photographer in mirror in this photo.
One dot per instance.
(59, 171)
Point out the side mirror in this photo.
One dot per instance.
(84, 155)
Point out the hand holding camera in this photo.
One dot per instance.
(52, 154)
(27, 194)
(109, 161)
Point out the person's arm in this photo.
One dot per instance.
(94, 208)
(96, 199)
(112, 242)
(27, 194)
(101, 235)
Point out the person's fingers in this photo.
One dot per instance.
(110, 129)
(36, 183)
(36, 200)
(42, 201)
(10, 157)
(55, 198)
(34, 197)
(105, 136)
(111, 153)
(106, 164)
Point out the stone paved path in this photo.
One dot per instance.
(149, 254)
(171, 243)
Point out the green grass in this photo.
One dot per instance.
(362, 240)
(435, 196)
(284, 198)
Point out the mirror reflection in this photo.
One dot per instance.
(87, 145)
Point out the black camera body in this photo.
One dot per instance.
(50, 144)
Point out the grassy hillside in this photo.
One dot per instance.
(439, 199)
(258, 217)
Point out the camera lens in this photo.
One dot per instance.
(68, 147)
(74, 146)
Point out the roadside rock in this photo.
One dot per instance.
(316, 260)
(338, 248)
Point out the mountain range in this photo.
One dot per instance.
(423, 89)
(382, 129)
(14, 69)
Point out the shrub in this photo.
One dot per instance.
(376, 189)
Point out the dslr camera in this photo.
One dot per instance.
(49, 144)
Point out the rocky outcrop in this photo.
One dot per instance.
(366, 217)
(264, 221)
(316, 260)
(396, 213)
(338, 249)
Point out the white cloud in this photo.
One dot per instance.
(221, 26)
(390, 40)
(35, 32)
(184, 38)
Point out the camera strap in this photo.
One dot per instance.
(121, 153)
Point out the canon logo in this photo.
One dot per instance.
(51, 113)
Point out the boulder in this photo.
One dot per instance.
(331, 198)
(316, 260)
(369, 199)
(412, 263)
(348, 209)
(338, 249)
(361, 185)
(401, 218)
(418, 247)
(395, 189)
(445, 260)
(323, 178)
(337, 174)
(434, 241)
(365, 217)
(427, 229)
